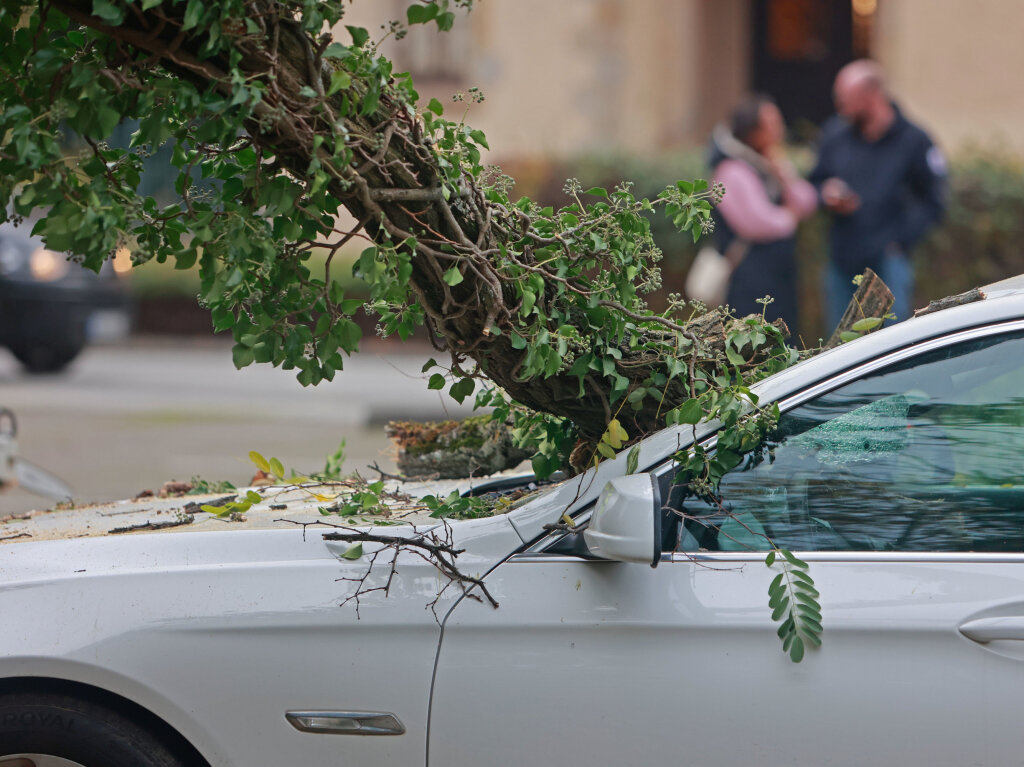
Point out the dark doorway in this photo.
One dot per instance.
(799, 45)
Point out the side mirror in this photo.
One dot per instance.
(626, 523)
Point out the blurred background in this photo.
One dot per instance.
(600, 90)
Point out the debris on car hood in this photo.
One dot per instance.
(394, 503)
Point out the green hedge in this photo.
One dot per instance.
(979, 242)
(982, 238)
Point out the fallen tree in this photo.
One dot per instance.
(277, 128)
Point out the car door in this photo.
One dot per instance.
(901, 482)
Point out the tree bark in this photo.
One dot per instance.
(871, 299)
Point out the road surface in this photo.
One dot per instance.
(129, 417)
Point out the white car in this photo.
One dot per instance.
(897, 473)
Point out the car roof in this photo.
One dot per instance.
(999, 302)
(1007, 286)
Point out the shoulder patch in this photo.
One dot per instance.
(936, 161)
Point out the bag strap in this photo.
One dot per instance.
(736, 251)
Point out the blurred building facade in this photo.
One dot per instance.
(578, 76)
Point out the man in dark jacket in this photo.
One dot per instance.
(884, 182)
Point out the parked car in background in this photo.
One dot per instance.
(50, 307)
(152, 633)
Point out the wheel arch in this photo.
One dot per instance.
(139, 714)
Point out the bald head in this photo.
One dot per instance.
(863, 74)
(861, 96)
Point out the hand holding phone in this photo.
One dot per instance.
(839, 197)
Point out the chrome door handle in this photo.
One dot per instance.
(985, 630)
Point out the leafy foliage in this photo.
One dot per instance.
(276, 129)
(979, 240)
(351, 497)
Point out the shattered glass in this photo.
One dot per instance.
(864, 434)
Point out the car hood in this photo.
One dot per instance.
(139, 535)
(281, 508)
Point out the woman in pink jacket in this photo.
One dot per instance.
(764, 201)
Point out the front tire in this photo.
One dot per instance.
(39, 730)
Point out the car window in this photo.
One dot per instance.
(926, 455)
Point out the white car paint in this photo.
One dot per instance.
(220, 633)
(681, 664)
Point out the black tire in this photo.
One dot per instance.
(87, 733)
(45, 358)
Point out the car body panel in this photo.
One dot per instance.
(220, 634)
(601, 659)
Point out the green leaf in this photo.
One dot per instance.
(436, 381)
(785, 628)
(193, 13)
(333, 51)
(780, 609)
(597, 192)
(796, 650)
(792, 559)
(348, 334)
(462, 389)
(690, 412)
(421, 14)
(770, 559)
(276, 468)
(107, 119)
(529, 299)
(614, 435)
(848, 335)
(108, 12)
(355, 551)
(435, 107)
(805, 591)
(803, 577)
(242, 356)
(811, 626)
(261, 463)
(734, 356)
(453, 276)
(359, 36)
(633, 460)
(223, 318)
(866, 324)
(808, 609)
(339, 80)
